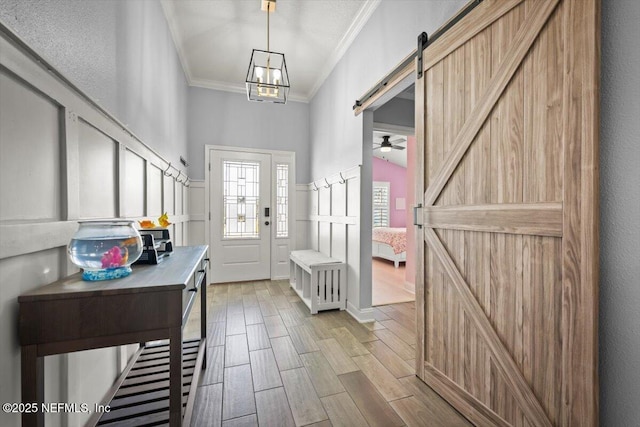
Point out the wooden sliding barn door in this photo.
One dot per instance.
(507, 129)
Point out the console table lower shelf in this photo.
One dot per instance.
(140, 397)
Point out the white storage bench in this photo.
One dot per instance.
(319, 280)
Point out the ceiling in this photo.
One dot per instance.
(215, 38)
(408, 93)
(398, 157)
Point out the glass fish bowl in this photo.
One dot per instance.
(105, 249)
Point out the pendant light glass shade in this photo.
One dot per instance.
(267, 77)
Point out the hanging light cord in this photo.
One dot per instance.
(268, 13)
(268, 51)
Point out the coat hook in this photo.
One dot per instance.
(328, 185)
(187, 182)
(342, 180)
(315, 187)
(166, 171)
(177, 177)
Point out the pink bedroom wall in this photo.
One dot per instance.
(410, 273)
(397, 177)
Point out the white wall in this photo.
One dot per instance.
(620, 214)
(228, 119)
(340, 140)
(397, 111)
(388, 37)
(62, 160)
(120, 53)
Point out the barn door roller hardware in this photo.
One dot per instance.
(423, 43)
(423, 40)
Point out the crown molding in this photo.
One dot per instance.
(352, 32)
(350, 35)
(167, 6)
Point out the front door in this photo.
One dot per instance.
(240, 195)
(507, 284)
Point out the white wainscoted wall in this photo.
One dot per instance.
(197, 213)
(64, 159)
(334, 229)
(301, 214)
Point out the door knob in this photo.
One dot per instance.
(266, 223)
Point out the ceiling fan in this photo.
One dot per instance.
(387, 145)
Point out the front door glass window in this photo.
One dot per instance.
(241, 201)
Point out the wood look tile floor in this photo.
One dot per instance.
(388, 283)
(271, 363)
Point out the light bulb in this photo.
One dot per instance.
(276, 74)
(259, 72)
(385, 149)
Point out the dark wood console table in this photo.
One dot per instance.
(153, 303)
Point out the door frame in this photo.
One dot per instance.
(277, 156)
(404, 77)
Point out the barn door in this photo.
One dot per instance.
(507, 128)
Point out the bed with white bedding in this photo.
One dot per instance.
(390, 243)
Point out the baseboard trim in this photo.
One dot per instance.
(410, 287)
(363, 315)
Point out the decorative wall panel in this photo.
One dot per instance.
(179, 203)
(97, 163)
(169, 192)
(133, 185)
(154, 191)
(30, 153)
(303, 224)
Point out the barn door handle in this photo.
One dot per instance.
(417, 210)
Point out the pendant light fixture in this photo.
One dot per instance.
(267, 77)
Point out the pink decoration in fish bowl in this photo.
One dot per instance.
(105, 249)
(113, 257)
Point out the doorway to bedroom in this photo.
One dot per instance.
(393, 160)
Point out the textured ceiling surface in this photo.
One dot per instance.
(215, 38)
